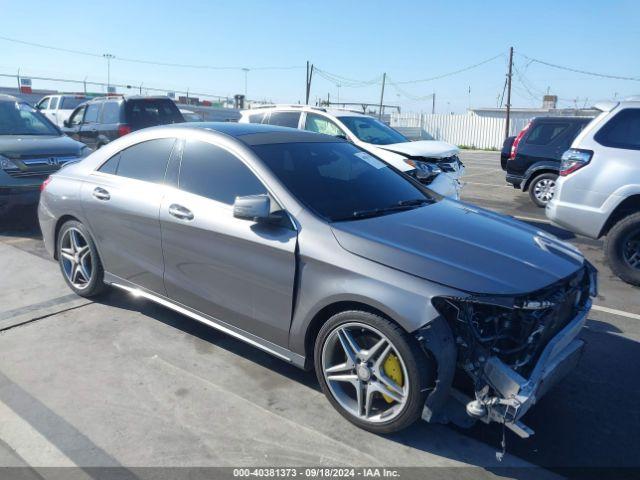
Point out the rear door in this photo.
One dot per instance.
(236, 271)
(52, 112)
(122, 201)
(89, 127)
(110, 120)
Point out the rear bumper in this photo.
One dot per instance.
(577, 218)
(18, 196)
(515, 180)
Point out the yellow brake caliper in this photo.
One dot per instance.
(393, 370)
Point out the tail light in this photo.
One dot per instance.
(45, 183)
(516, 141)
(123, 130)
(574, 159)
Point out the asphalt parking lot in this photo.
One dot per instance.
(123, 382)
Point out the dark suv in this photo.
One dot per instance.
(532, 158)
(103, 119)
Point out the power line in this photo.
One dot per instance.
(455, 72)
(576, 70)
(146, 62)
(407, 94)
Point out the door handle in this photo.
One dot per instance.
(180, 212)
(101, 194)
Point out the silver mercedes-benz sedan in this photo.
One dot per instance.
(321, 254)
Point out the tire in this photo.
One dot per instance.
(85, 258)
(542, 189)
(622, 241)
(416, 380)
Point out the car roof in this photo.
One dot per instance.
(564, 118)
(335, 112)
(258, 134)
(8, 98)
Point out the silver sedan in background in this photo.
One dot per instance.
(312, 249)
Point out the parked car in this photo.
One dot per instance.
(532, 158)
(313, 250)
(599, 186)
(190, 116)
(435, 164)
(31, 148)
(58, 108)
(101, 120)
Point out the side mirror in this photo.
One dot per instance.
(252, 207)
(66, 123)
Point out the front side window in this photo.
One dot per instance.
(212, 172)
(43, 104)
(622, 131)
(319, 124)
(22, 119)
(54, 103)
(146, 161)
(76, 117)
(545, 133)
(371, 130)
(339, 181)
(111, 112)
(285, 119)
(93, 110)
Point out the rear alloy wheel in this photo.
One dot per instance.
(622, 248)
(79, 261)
(372, 371)
(543, 188)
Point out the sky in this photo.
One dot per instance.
(357, 41)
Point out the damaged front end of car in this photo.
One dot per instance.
(511, 348)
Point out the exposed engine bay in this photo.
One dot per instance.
(512, 348)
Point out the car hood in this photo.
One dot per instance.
(16, 146)
(463, 247)
(422, 148)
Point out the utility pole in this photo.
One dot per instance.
(109, 57)
(433, 103)
(246, 73)
(309, 77)
(384, 79)
(506, 124)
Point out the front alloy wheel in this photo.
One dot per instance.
(372, 371)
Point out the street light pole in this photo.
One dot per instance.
(109, 57)
(246, 73)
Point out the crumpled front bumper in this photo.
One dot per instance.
(508, 396)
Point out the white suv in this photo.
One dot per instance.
(434, 163)
(598, 191)
(58, 108)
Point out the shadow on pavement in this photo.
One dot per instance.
(582, 431)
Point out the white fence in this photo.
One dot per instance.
(468, 130)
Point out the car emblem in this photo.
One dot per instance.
(53, 161)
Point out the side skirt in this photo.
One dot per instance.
(273, 349)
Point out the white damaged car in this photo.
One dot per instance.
(434, 163)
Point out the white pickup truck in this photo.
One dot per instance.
(58, 108)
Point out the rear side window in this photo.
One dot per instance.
(111, 112)
(91, 115)
(622, 131)
(545, 133)
(285, 119)
(69, 103)
(149, 112)
(146, 161)
(214, 173)
(54, 103)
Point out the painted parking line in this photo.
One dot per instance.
(613, 311)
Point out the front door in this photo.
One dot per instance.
(236, 271)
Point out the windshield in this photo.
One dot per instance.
(22, 119)
(338, 181)
(373, 131)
